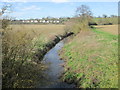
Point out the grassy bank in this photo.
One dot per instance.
(91, 60)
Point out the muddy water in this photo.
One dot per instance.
(52, 74)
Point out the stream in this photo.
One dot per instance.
(55, 69)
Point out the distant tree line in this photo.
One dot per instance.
(105, 20)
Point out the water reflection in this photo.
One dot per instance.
(52, 74)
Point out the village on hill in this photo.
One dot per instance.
(41, 21)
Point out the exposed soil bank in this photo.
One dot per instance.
(40, 53)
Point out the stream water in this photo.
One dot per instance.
(52, 74)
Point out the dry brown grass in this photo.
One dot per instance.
(46, 31)
(113, 29)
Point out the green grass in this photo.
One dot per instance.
(113, 20)
(92, 60)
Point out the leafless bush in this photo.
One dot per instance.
(81, 21)
(17, 65)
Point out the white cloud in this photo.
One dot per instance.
(59, 1)
(17, 14)
(24, 10)
(33, 7)
(14, 1)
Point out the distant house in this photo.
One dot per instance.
(31, 21)
(43, 21)
(57, 21)
(39, 21)
(54, 21)
(47, 21)
(36, 21)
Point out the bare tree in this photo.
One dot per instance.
(5, 8)
(84, 15)
(83, 11)
(104, 16)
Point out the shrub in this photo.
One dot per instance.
(5, 23)
(17, 64)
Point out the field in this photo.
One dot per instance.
(113, 29)
(91, 59)
(47, 31)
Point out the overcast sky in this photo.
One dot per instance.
(59, 8)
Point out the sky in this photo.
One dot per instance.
(27, 10)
